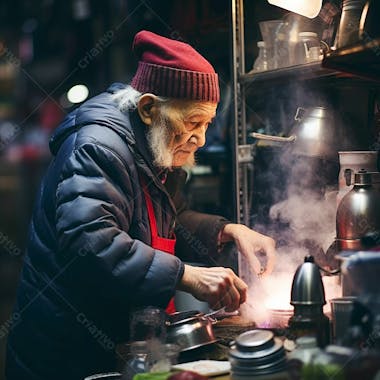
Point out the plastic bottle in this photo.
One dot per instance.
(261, 62)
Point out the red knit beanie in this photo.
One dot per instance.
(173, 69)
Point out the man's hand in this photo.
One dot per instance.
(250, 243)
(218, 286)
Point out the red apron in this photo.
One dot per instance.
(163, 244)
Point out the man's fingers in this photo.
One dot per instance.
(242, 288)
(219, 286)
(255, 264)
(271, 260)
(234, 299)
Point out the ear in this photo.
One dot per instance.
(147, 108)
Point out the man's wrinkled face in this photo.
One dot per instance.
(178, 130)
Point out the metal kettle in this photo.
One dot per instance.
(307, 286)
(358, 213)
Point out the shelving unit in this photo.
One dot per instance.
(353, 66)
(357, 67)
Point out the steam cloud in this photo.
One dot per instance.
(309, 210)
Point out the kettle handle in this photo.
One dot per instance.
(299, 113)
(347, 176)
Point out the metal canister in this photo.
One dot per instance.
(358, 213)
(349, 26)
(308, 298)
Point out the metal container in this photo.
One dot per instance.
(316, 132)
(256, 352)
(254, 340)
(350, 162)
(307, 286)
(358, 213)
(349, 26)
(369, 21)
(361, 271)
(341, 309)
(308, 298)
(191, 332)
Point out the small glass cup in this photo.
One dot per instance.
(341, 310)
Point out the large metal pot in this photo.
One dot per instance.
(315, 133)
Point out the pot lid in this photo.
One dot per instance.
(255, 340)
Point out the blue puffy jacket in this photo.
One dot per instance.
(88, 261)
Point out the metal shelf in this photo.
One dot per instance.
(313, 72)
(362, 60)
(307, 71)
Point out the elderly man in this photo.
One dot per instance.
(109, 219)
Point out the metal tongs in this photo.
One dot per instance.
(221, 313)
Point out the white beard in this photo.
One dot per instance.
(159, 136)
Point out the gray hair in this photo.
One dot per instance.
(127, 98)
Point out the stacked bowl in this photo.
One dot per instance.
(256, 353)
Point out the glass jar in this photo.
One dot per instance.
(150, 356)
(308, 48)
